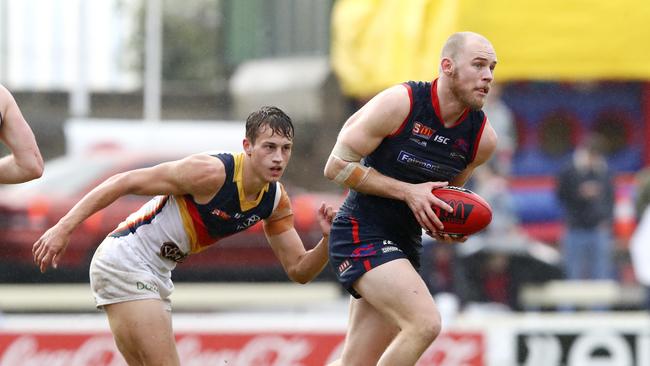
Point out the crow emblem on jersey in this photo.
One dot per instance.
(172, 252)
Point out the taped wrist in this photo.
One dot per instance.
(352, 175)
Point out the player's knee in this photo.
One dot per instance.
(132, 358)
(165, 357)
(426, 327)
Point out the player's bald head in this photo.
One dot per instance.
(458, 42)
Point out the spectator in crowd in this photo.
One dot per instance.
(471, 283)
(494, 265)
(493, 276)
(586, 192)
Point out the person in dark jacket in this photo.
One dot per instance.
(586, 192)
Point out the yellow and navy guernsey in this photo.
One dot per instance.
(168, 228)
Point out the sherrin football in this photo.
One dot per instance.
(471, 212)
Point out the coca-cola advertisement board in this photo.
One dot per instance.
(232, 349)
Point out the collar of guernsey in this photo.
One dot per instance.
(228, 212)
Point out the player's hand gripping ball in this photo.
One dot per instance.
(471, 212)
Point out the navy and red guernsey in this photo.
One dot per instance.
(371, 230)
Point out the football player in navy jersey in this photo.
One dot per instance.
(406, 141)
(25, 162)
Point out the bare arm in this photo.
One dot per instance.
(361, 135)
(301, 265)
(198, 175)
(25, 162)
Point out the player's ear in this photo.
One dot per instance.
(248, 147)
(447, 66)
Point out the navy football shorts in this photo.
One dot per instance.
(356, 247)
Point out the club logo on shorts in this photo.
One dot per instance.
(363, 251)
(172, 252)
(343, 267)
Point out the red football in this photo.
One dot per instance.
(471, 212)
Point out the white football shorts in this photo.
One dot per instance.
(117, 275)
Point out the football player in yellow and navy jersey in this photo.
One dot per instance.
(406, 141)
(199, 200)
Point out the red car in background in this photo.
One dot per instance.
(28, 210)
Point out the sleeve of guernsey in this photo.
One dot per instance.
(281, 218)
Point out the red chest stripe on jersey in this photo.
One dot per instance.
(203, 238)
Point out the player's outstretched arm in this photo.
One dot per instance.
(362, 133)
(301, 265)
(198, 175)
(25, 162)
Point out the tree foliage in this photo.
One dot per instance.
(191, 45)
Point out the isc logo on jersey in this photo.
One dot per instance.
(441, 139)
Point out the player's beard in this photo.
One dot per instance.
(464, 96)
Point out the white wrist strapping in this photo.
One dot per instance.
(354, 173)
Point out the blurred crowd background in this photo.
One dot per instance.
(112, 85)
